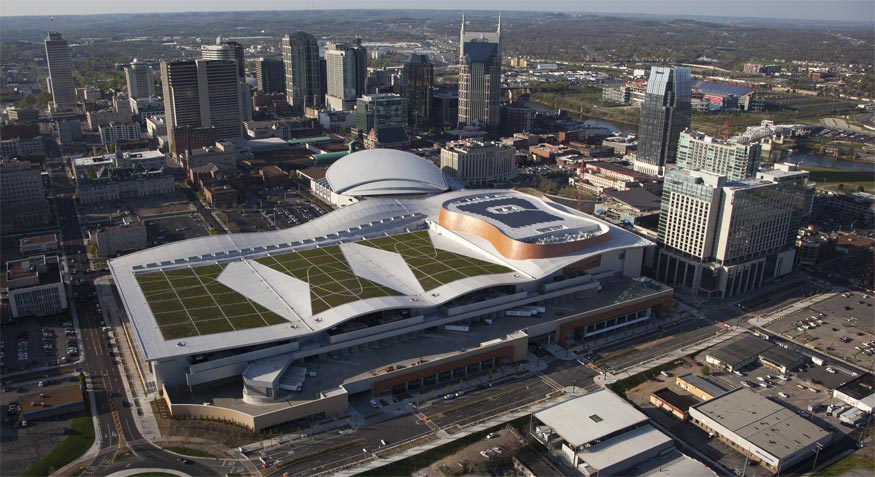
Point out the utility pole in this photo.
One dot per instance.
(819, 447)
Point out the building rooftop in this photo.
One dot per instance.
(680, 401)
(721, 89)
(781, 356)
(38, 240)
(763, 422)
(860, 387)
(740, 349)
(704, 384)
(50, 400)
(218, 292)
(624, 447)
(636, 197)
(376, 172)
(591, 417)
(33, 271)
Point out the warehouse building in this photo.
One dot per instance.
(858, 392)
(737, 353)
(698, 386)
(676, 404)
(760, 428)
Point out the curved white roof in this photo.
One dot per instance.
(375, 172)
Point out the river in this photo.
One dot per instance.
(810, 159)
(804, 158)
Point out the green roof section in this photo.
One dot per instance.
(191, 302)
(433, 267)
(308, 140)
(332, 281)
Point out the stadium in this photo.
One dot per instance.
(412, 286)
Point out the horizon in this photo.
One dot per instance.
(841, 11)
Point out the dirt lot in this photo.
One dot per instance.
(20, 448)
(469, 460)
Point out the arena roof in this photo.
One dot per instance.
(376, 172)
(225, 291)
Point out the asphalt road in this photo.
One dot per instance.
(114, 417)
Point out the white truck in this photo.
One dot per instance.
(462, 328)
(519, 312)
(818, 360)
(537, 309)
(852, 417)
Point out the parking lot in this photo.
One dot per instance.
(246, 221)
(177, 227)
(797, 390)
(36, 343)
(840, 326)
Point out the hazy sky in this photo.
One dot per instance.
(841, 10)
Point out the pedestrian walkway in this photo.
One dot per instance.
(608, 378)
(773, 316)
(134, 387)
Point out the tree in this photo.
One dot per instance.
(706, 370)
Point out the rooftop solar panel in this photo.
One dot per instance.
(511, 211)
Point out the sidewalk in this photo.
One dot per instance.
(140, 397)
(608, 378)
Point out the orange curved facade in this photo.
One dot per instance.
(508, 247)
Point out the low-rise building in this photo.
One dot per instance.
(22, 196)
(813, 247)
(676, 404)
(698, 386)
(858, 392)
(781, 359)
(388, 137)
(600, 176)
(622, 145)
(21, 140)
(105, 117)
(57, 401)
(38, 244)
(600, 433)
(127, 237)
(35, 287)
(761, 429)
(222, 196)
(737, 353)
(117, 132)
(88, 167)
(124, 183)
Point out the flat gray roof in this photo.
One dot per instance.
(782, 356)
(762, 422)
(624, 447)
(591, 417)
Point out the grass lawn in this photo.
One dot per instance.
(189, 451)
(80, 438)
(830, 178)
(851, 462)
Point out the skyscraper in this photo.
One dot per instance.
(347, 70)
(226, 50)
(480, 77)
(139, 79)
(665, 113)
(303, 77)
(736, 158)
(202, 93)
(271, 75)
(418, 89)
(60, 72)
(721, 237)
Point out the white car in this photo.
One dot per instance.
(783, 395)
(375, 404)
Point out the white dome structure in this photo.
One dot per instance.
(382, 172)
